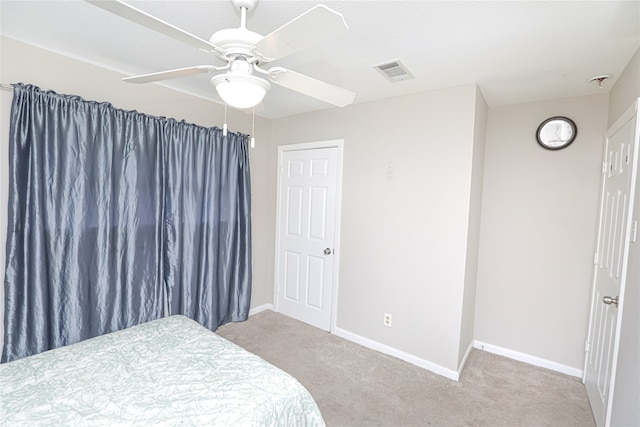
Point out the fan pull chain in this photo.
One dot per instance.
(224, 126)
(253, 127)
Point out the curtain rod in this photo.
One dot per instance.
(6, 86)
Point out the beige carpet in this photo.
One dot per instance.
(355, 386)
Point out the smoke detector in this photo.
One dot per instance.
(394, 70)
(601, 78)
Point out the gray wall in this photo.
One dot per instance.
(404, 237)
(539, 222)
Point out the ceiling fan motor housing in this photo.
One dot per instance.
(236, 41)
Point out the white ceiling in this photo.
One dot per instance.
(517, 51)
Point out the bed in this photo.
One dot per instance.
(170, 371)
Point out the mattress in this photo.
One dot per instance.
(170, 371)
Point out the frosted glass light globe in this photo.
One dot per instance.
(241, 91)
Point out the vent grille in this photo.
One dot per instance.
(394, 70)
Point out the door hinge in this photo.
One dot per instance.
(604, 167)
(586, 346)
(634, 231)
(595, 258)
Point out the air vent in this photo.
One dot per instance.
(394, 70)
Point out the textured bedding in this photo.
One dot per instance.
(170, 371)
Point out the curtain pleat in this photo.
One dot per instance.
(208, 245)
(111, 210)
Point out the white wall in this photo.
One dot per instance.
(404, 237)
(27, 64)
(473, 240)
(539, 222)
(626, 89)
(626, 394)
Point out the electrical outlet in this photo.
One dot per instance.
(387, 319)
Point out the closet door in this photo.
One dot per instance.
(615, 234)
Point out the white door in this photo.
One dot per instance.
(619, 176)
(306, 241)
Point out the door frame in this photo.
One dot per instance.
(632, 113)
(335, 143)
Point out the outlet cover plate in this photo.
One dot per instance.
(387, 319)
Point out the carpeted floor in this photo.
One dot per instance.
(355, 386)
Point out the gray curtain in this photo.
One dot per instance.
(114, 214)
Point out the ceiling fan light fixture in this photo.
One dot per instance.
(243, 50)
(241, 91)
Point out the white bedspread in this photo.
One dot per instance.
(170, 371)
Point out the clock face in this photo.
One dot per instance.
(556, 133)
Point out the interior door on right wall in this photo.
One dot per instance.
(305, 247)
(614, 235)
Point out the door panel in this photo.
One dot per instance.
(294, 211)
(307, 214)
(316, 282)
(292, 276)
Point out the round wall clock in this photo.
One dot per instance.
(556, 132)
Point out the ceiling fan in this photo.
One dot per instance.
(245, 52)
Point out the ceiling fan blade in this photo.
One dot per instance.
(171, 74)
(309, 86)
(140, 17)
(312, 27)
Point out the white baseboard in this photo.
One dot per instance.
(441, 370)
(526, 358)
(383, 348)
(260, 308)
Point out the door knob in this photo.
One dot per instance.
(609, 300)
(327, 251)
